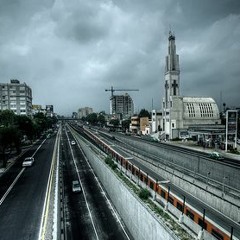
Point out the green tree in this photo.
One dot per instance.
(25, 126)
(9, 139)
(125, 124)
(92, 118)
(7, 118)
(144, 113)
(101, 119)
(40, 123)
(114, 122)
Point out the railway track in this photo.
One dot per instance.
(216, 223)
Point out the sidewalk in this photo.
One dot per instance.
(10, 162)
(193, 145)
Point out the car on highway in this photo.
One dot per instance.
(28, 162)
(76, 186)
(216, 155)
(73, 143)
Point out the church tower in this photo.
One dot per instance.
(172, 71)
(179, 113)
(172, 86)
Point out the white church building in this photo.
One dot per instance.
(180, 112)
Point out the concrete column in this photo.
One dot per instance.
(200, 235)
(181, 217)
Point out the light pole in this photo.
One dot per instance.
(223, 185)
(156, 189)
(208, 174)
(166, 182)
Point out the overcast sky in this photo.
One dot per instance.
(70, 51)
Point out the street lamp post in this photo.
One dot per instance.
(156, 189)
(223, 185)
(208, 174)
(166, 182)
(181, 216)
(166, 206)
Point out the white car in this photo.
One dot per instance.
(73, 143)
(76, 186)
(28, 162)
(216, 155)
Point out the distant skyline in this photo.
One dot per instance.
(69, 52)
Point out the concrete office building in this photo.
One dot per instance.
(17, 97)
(180, 112)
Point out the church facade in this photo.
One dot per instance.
(180, 112)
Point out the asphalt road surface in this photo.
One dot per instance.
(88, 215)
(21, 210)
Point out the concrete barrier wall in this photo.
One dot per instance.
(192, 162)
(197, 188)
(139, 221)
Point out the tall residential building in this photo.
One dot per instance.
(49, 111)
(17, 97)
(83, 112)
(121, 105)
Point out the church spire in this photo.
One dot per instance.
(172, 72)
(172, 60)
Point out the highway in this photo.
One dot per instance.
(88, 214)
(21, 209)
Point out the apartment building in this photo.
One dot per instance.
(83, 112)
(17, 97)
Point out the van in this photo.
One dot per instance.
(76, 186)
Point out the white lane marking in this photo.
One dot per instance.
(109, 202)
(84, 195)
(15, 180)
(43, 224)
(11, 186)
(39, 147)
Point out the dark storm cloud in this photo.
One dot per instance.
(68, 52)
(83, 23)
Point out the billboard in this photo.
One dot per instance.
(231, 121)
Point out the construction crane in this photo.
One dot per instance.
(123, 90)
